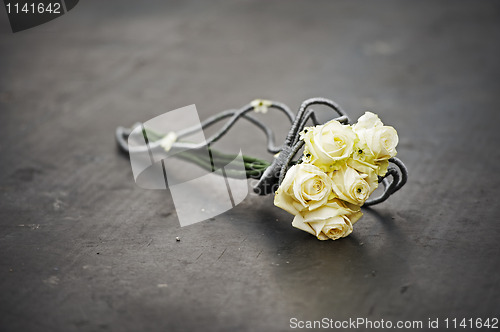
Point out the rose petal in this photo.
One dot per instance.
(285, 202)
(298, 222)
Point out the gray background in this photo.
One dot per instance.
(83, 248)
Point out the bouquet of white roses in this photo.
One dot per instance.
(338, 171)
(340, 167)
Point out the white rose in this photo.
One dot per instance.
(328, 144)
(364, 162)
(304, 187)
(380, 140)
(351, 186)
(361, 165)
(367, 121)
(332, 221)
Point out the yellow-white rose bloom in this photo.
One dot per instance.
(367, 121)
(328, 144)
(305, 187)
(353, 187)
(380, 140)
(332, 221)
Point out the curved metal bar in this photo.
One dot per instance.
(312, 101)
(398, 180)
(234, 114)
(220, 116)
(310, 114)
(321, 101)
(284, 167)
(271, 147)
(403, 170)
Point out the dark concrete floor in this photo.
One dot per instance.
(83, 248)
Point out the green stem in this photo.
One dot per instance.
(254, 167)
